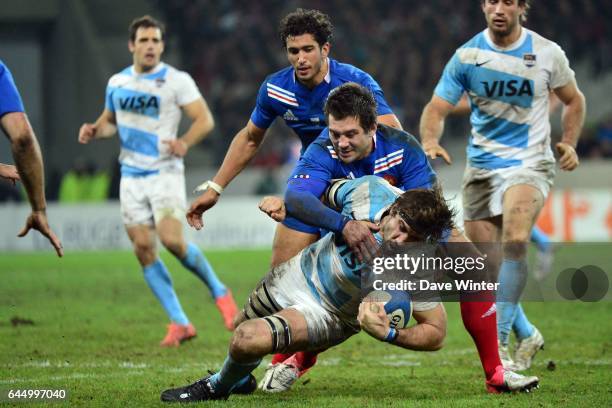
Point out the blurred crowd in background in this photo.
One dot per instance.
(231, 46)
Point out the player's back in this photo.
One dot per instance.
(329, 266)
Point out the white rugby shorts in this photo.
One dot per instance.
(483, 189)
(146, 200)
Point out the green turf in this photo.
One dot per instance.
(96, 328)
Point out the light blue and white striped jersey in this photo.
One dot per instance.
(508, 89)
(147, 109)
(330, 268)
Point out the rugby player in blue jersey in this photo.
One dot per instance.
(28, 158)
(508, 72)
(297, 95)
(355, 145)
(144, 103)
(306, 305)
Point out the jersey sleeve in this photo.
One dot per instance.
(382, 105)
(108, 99)
(10, 100)
(263, 115)
(561, 74)
(187, 90)
(451, 84)
(316, 164)
(416, 170)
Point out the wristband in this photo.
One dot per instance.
(209, 184)
(391, 335)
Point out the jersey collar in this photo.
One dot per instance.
(155, 70)
(511, 47)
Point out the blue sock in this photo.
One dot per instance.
(159, 281)
(521, 326)
(232, 374)
(197, 263)
(541, 240)
(512, 280)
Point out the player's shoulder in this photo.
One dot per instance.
(121, 77)
(171, 72)
(322, 147)
(478, 41)
(542, 44)
(343, 72)
(3, 68)
(322, 141)
(280, 86)
(395, 138)
(283, 78)
(470, 49)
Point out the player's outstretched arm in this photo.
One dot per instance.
(28, 159)
(572, 118)
(103, 127)
(432, 125)
(243, 148)
(274, 207)
(38, 220)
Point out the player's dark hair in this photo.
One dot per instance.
(303, 21)
(426, 212)
(524, 3)
(351, 100)
(145, 21)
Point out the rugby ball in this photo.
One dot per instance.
(398, 306)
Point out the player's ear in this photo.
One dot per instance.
(374, 128)
(325, 49)
(131, 45)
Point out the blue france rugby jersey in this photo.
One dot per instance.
(282, 95)
(397, 157)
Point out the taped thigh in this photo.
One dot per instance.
(281, 333)
(260, 303)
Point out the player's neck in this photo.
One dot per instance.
(504, 41)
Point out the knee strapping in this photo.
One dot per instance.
(260, 303)
(281, 333)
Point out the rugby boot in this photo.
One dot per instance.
(508, 381)
(178, 333)
(526, 350)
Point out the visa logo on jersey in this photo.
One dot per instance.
(512, 87)
(137, 102)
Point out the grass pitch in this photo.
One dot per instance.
(88, 324)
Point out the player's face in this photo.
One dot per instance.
(307, 58)
(394, 228)
(351, 142)
(503, 16)
(147, 48)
